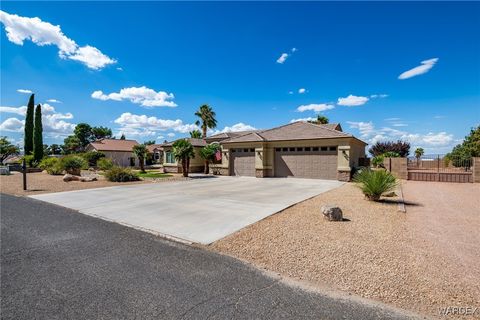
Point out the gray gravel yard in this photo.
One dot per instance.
(421, 260)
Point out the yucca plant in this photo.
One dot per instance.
(374, 183)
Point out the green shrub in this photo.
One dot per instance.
(118, 174)
(51, 165)
(374, 183)
(391, 154)
(30, 160)
(378, 161)
(92, 157)
(105, 164)
(73, 164)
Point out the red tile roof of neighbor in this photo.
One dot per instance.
(292, 131)
(152, 147)
(113, 145)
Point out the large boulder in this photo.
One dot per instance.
(332, 213)
(70, 177)
(88, 179)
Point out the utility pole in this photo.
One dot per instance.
(24, 171)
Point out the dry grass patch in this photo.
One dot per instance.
(378, 254)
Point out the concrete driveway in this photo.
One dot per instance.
(201, 210)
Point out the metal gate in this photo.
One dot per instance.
(442, 168)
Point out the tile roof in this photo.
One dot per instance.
(113, 145)
(227, 135)
(152, 147)
(195, 142)
(292, 131)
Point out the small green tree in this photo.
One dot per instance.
(38, 135)
(320, 120)
(195, 134)
(183, 151)
(83, 131)
(28, 142)
(208, 154)
(140, 151)
(101, 133)
(418, 154)
(71, 144)
(122, 137)
(7, 149)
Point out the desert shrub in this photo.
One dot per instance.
(400, 147)
(378, 161)
(30, 161)
(105, 164)
(391, 154)
(51, 165)
(92, 157)
(119, 174)
(374, 183)
(73, 164)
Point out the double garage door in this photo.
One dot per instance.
(306, 162)
(300, 162)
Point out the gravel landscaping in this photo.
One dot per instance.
(380, 253)
(44, 183)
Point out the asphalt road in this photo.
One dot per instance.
(59, 264)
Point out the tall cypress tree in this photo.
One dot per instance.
(28, 142)
(38, 135)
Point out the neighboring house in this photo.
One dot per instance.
(171, 165)
(157, 152)
(119, 151)
(299, 149)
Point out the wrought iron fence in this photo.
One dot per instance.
(440, 163)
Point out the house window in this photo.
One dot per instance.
(324, 149)
(333, 148)
(285, 149)
(169, 157)
(252, 150)
(300, 149)
(245, 150)
(307, 148)
(315, 149)
(292, 149)
(278, 149)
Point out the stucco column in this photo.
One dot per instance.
(343, 163)
(476, 169)
(225, 165)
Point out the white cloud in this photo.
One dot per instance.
(12, 125)
(24, 90)
(374, 96)
(238, 127)
(315, 107)
(352, 101)
(171, 134)
(424, 67)
(303, 119)
(432, 142)
(119, 68)
(142, 125)
(160, 137)
(53, 122)
(294, 50)
(290, 92)
(140, 95)
(54, 101)
(283, 58)
(43, 33)
(20, 110)
(302, 90)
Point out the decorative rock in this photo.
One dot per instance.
(88, 179)
(332, 213)
(390, 194)
(69, 177)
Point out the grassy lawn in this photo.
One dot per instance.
(154, 174)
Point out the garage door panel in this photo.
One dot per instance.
(243, 163)
(306, 164)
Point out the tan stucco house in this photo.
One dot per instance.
(171, 165)
(299, 149)
(119, 151)
(157, 152)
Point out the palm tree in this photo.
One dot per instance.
(140, 151)
(195, 134)
(418, 154)
(320, 120)
(207, 119)
(183, 151)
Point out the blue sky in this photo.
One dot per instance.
(144, 68)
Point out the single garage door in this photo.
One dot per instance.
(306, 162)
(243, 161)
